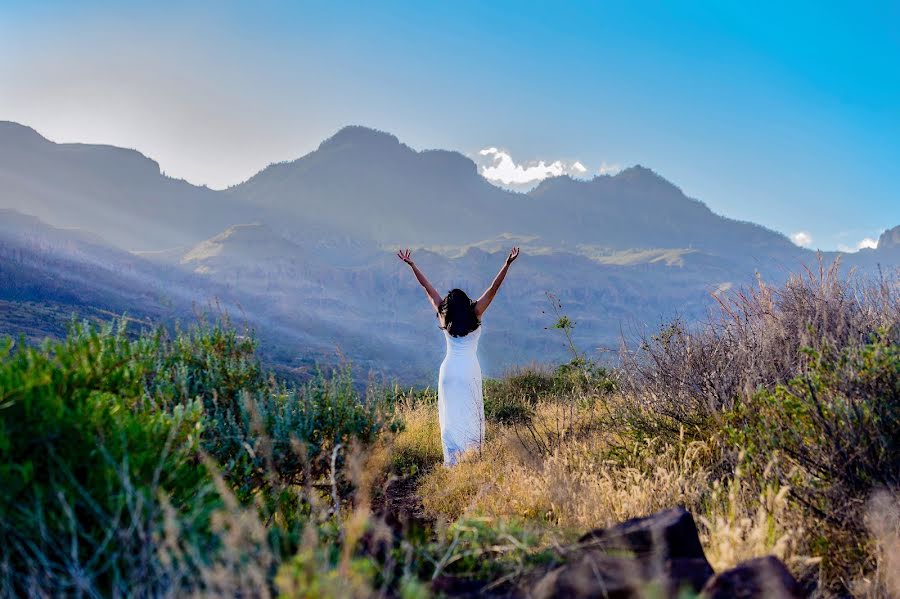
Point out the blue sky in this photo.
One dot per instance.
(784, 115)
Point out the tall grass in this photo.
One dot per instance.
(775, 422)
(158, 464)
(171, 465)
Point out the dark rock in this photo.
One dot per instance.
(594, 574)
(660, 554)
(690, 574)
(761, 578)
(670, 534)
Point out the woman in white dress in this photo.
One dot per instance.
(460, 400)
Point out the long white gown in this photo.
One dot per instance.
(460, 400)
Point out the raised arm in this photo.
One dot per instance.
(433, 295)
(488, 296)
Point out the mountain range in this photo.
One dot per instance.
(303, 250)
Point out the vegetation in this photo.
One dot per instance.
(174, 464)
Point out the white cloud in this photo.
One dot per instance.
(498, 166)
(867, 242)
(802, 238)
(609, 169)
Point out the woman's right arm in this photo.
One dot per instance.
(433, 295)
(488, 296)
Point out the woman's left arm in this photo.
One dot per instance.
(482, 303)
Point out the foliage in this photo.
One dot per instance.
(82, 444)
(840, 423)
(417, 445)
(685, 377)
(106, 441)
(495, 551)
(173, 464)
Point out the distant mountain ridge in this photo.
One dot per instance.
(304, 249)
(117, 193)
(360, 182)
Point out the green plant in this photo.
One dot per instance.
(840, 424)
(84, 453)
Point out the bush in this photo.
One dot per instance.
(109, 443)
(840, 423)
(84, 453)
(685, 377)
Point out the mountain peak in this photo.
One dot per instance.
(556, 184)
(890, 239)
(19, 133)
(642, 178)
(638, 172)
(359, 135)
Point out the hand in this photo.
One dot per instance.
(513, 254)
(404, 255)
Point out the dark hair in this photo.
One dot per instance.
(459, 313)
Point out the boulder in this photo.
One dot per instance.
(660, 555)
(670, 534)
(761, 578)
(593, 574)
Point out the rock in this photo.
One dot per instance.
(593, 574)
(686, 574)
(670, 534)
(659, 555)
(761, 578)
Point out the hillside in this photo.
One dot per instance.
(116, 193)
(304, 249)
(48, 275)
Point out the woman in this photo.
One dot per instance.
(460, 402)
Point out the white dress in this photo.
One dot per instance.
(460, 401)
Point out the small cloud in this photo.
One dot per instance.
(867, 242)
(609, 169)
(499, 167)
(802, 238)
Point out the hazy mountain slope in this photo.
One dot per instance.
(379, 299)
(48, 274)
(117, 193)
(314, 272)
(637, 208)
(368, 183)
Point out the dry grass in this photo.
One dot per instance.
(418, 445)
(590, 480)
(883, 521)
(559, 459)
(754, 340)
(740, 523)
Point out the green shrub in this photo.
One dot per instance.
(840, 424)
(84, 452)
(512, 399)
(291, 432)
(103, 437)
(495, 551)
